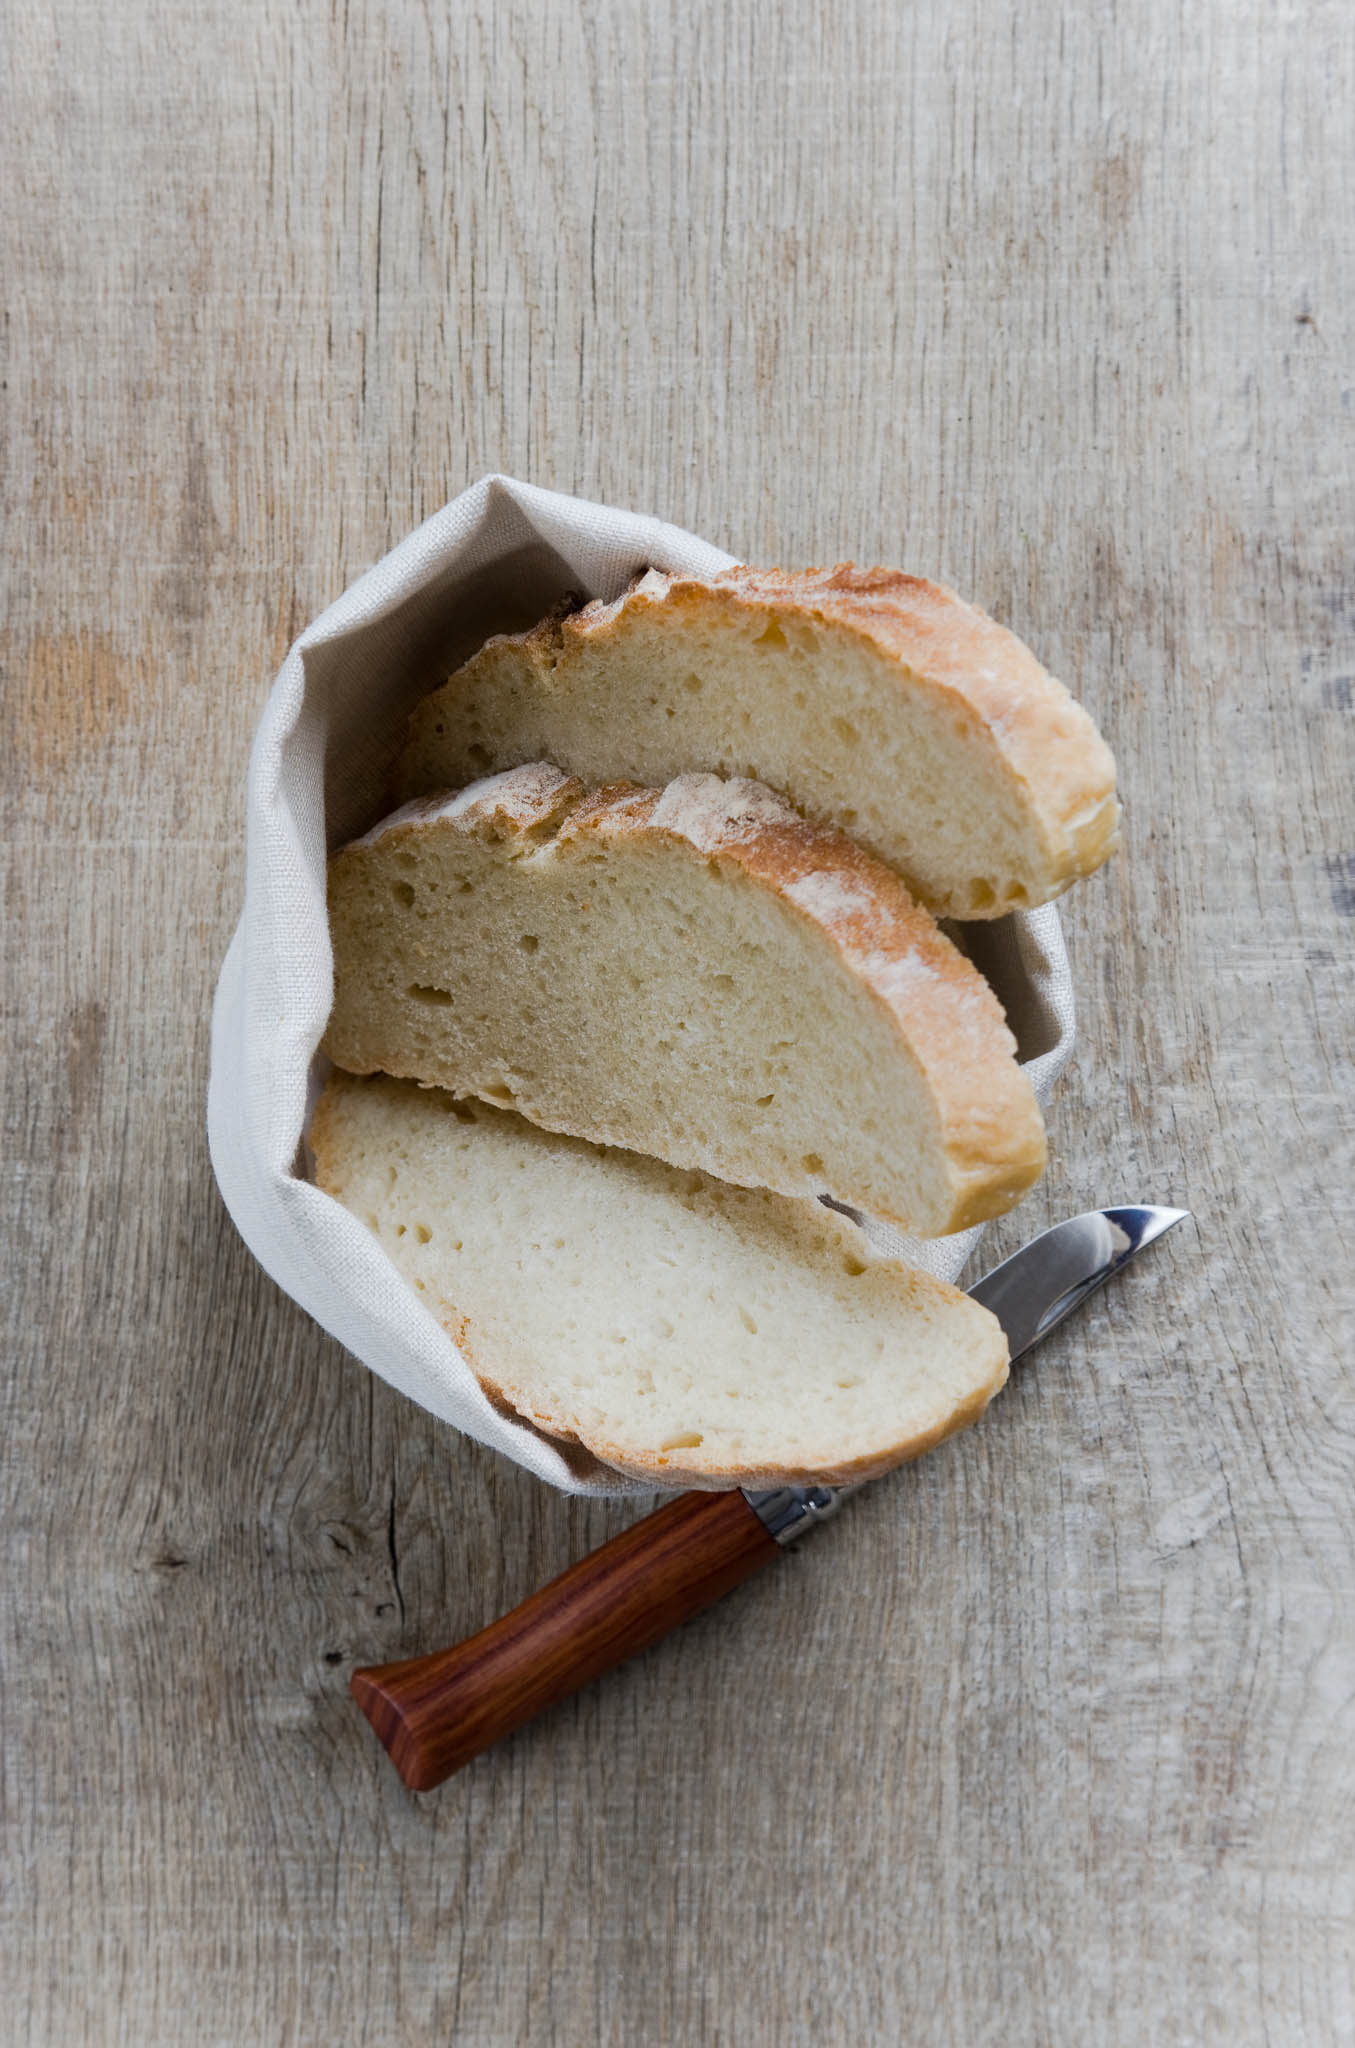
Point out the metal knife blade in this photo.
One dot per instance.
(1029, 1293)
(1053, 1274)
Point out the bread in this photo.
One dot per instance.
(684, 1331)
(695, 973)
(875, 701)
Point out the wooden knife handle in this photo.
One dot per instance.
(435, 1713)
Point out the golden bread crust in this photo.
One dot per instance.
(986, 681)
(942, 642)
(947, 1022)
(672, 1469)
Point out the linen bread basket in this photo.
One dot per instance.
(496, 559)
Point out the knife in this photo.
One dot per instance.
(435, 1713)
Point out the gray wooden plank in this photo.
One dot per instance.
(1049, 1741)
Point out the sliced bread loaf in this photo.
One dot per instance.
(684, 1331)
(696, 973)
(876, 701)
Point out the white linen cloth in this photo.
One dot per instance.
(495, 559)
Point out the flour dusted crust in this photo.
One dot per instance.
(1044, 734)
(909, 1104)
(680, 1330)
(877, 701)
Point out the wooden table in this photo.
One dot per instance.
(1050, 1740)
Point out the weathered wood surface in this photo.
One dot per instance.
(1051, 1740)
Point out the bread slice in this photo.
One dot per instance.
(875, 701)
(696, 973)
(683, 1331)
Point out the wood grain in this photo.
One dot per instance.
(1049, 1740)
(434, 1713)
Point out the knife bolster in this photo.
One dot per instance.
(789, 1512)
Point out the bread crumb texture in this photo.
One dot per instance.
(875, 701)
(698, 973)
(677, 1327)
